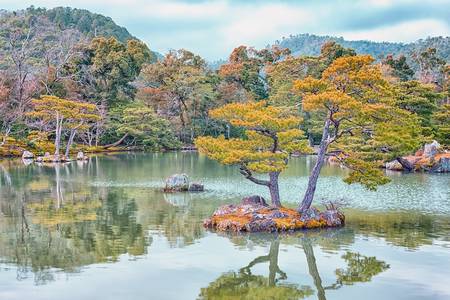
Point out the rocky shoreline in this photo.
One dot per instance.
(28, 156)
(432, 158)
(254, 215)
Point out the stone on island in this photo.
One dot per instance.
(254, 215)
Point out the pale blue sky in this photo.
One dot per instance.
(214, 28)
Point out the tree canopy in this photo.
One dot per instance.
(361, 123)
(271, 134)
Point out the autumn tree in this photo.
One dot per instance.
(361, 123)
(243, 74)
(281, 74)
(271, 134)
(331, 50)
(18, 38)
(181, 89)
(62, 114)
(55, 77)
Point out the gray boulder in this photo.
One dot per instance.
(27, 161)
(254, 200)
(430, 150)
(81, 156)
(27, 155)
(442, 166)
(394, 165)
(196, 187)
(177, 183)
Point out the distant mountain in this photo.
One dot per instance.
(87, 23)
(310, 44)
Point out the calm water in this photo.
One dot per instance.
(102, 230)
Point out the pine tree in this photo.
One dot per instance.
(361, 123)
(60, 114)
(271, 134)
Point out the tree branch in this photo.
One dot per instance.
(248, 175)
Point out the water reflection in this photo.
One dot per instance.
(63, 219)
(244, 285)
(69, 230)
(276, 285)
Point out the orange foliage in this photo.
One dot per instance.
(240, 220)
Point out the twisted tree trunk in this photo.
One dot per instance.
(312, 182)
(272, 184)
(274, 189)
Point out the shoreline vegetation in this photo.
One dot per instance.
(68, 88)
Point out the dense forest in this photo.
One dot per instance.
(72, 80)
(310, 44)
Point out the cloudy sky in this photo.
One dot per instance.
(214, 28)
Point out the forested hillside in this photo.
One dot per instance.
(72, 80)
(310, 44)
(88, 23)
(81, 22)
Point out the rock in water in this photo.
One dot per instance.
(177, 183)
(196, 187)
(430, 150)
(442, 166)
(394, 165)
(27, 155)
(80, 156)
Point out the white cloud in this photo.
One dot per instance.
(214, 28)
(176, 10)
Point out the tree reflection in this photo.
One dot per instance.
(359, 269)
(52, 218)
(55, 234)
(244, 285)
(406, 229)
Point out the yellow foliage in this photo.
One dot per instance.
(272, 133)
(257, 115)
(364, 123)
(47, 107)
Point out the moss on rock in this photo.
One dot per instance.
(260, 218)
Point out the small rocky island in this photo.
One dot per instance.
(181, 183)
(253, 214)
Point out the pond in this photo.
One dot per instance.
(103, 230)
